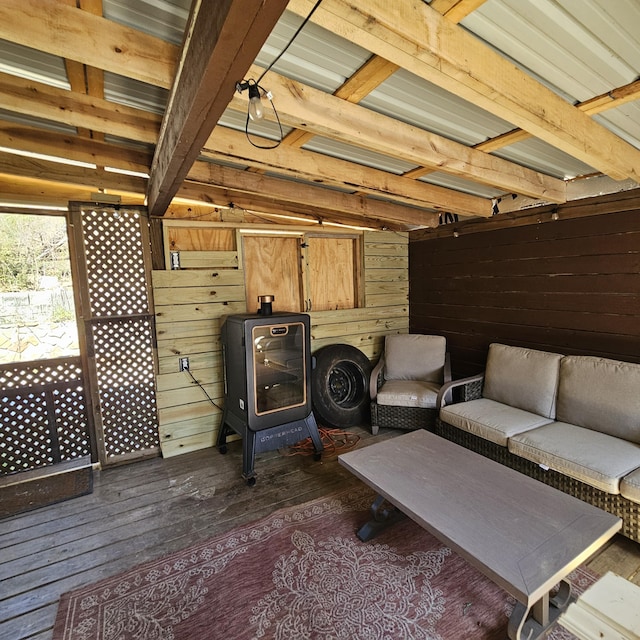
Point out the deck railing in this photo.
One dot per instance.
(43, 414)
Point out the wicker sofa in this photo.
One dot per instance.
(572, 422)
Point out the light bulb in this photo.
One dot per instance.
(256, 111)
(255, 108)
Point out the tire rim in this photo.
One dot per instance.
(346, 384)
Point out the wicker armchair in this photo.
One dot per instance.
(404, 385)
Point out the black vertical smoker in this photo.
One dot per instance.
(267, 377)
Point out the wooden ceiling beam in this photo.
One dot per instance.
(39, 192)
(72, 147)
(376, 70)
(40, 195)
(46, 170)
(257, 204)
(422, 41)
(79, 35)
(598, 104)
(77, 110)
(225, 144)
(369, 76)
(78, 83)
(456, 10)
(232, 146)
(223, 37)
(297, 193)
(307, 108)
(83, 79)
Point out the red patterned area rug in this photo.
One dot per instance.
(300, 574)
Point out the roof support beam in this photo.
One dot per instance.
(232, 146)
(80, 35)
(436, 49)
(598, 104)
(301, 194)
(456, 10)
(369, 76)
(253, 206)
(303, 107)
(46, 170)
(76, 109)
(222, 39)
(44, 193)
(73, 147)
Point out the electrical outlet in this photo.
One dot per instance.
(184, 364)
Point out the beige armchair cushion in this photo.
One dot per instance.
(414, 357)
(491, 420)
(408, 393)
(600, 394)
(594, 458)
(523, 378)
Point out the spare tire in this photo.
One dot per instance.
(340, 386)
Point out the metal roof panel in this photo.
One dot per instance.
(31, 64)
(581, 47)
(460, 184)
(404, 96)
(164, 19)
(540, 156)
(316, 57)
(337, 149)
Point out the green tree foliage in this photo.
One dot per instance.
(32, 247)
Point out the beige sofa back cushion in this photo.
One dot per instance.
(600, 394)
(522, 378)
(414, 357)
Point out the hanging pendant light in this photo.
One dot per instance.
(256, 110)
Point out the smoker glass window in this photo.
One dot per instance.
(279, 366)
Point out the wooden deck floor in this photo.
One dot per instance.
(148, 509)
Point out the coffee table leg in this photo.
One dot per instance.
(382, 517)
(533, 622)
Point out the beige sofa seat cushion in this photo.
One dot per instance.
(408, 393)
(630, 486)
(600, 394)
(414, 357)
(491, 420)
(592, 457)
(523, 378)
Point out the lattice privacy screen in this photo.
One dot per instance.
(43, 416)
(120, 330)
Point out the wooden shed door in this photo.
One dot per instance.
(332, 276)
(272, 266)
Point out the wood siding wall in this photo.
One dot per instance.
(561, 279)
(191, 302)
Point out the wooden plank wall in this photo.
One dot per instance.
(191, 302)
(566, 281)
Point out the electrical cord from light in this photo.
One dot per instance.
(255, 110)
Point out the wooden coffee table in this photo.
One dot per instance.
(522, 534)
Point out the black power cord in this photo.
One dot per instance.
(295, 35)
(241, 86)
(203, 390)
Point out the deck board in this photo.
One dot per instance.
(148, 509)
